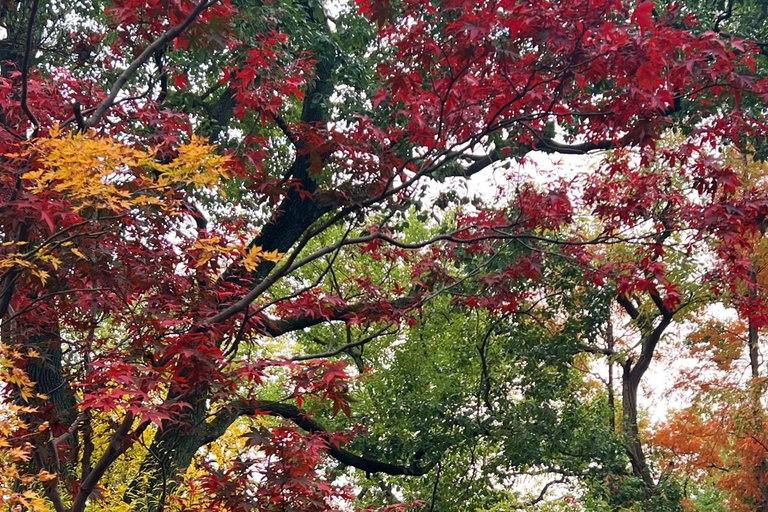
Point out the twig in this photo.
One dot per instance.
(347, 346)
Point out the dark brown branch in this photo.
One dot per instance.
(663, 309)
(434, 488)
(486, 375)
(628, 306)
(227, 416)
(649, 345)
(723, 16)
(548, 145)
(280, 122)
(347, 346)
(117, 445)
(284, 326)
(77, 112)
(163, 75)
(592, 349)
(543, 492)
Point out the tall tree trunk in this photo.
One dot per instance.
(630, 429)
(651, 330)
(611, 394)
(171, 451)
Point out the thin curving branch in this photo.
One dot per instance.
(359, 343)
(148, 52)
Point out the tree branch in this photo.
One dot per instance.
(543, 492)
(117, 445)
(592, 349)
(228, 415)
(148, 52)
(649, 345)
(628, 306)
(381, 332)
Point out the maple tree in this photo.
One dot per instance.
(204, 204)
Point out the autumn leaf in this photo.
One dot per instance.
(643, 16)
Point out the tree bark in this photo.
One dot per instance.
(629, 427)
(753, 344)
(632, 376)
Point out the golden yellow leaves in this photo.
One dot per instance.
(256, 255)
(88, 172)
(106, 174)
(27, 500)
(196, 165)
(211, 247)
(10, 373)
(92, 174)
(251, 257)
(31, 261)
(45, 476)
(15, 449)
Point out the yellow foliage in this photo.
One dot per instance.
(106, 174)
(211, 247)
(102, 174)
(256, 255)
(14, 449)
(195, 165)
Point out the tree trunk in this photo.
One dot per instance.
(629, 427)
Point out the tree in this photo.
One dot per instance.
(207, 177)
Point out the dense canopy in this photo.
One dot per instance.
(303, 255)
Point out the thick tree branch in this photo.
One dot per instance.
(118, 443)
(628, 306)
(648, 348)
(659, 302)
(227, 416)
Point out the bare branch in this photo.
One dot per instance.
(543, 492)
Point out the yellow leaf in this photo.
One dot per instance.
(272, 256)
(45, 476)
(42, 275)
(257, 254)
(17, 454)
